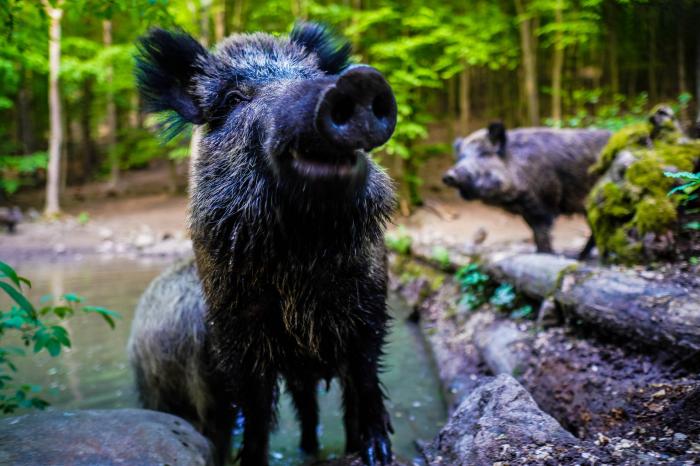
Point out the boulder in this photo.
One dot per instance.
(102, 437)
(499, 422)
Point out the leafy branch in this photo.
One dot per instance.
(39, 328)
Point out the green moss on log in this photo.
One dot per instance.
(629, 207)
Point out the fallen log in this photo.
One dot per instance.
(647, 307)
(651, 310)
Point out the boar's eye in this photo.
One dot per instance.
(225, 104)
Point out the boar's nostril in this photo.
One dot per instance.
(381, 105)
(342, 110)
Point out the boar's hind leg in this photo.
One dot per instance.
(303, 391)
(366, 420)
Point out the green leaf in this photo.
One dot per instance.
(73, 298)
(17, 297)
(8, 272)
(107, 314)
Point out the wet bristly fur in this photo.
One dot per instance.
(538, 173)
(293, 272)
(169, 350)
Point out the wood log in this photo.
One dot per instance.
(646, 307)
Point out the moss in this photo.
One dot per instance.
(654, 215)
(622, 212)
(633, 135)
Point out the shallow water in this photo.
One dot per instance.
(94, 373)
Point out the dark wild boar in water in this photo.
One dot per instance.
(538, 173)
(287, 217)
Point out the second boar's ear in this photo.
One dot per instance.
(166, 64)
(497, 136)
(333, 54)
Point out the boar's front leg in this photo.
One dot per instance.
(257, 401)
(367, 424)
(303, 391)
(541, 228)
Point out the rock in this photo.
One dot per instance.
(498, 422)
(104, 437)
(503, 346)
(144, 240)
(352, 460)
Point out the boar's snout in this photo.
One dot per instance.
(358, 111)
(450, 178)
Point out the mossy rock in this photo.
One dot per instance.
(632, 217)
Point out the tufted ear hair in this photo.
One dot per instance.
(497, 136)
(333, 53)
(166, 64)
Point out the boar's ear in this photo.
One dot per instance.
(455, 146)
(333, 54)
(166, 65)
(497, 136)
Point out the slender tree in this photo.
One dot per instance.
(529, 57)
(111, 111)
(54, 13)
(557, 61)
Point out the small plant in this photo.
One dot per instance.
(474, 285)
(399, 241)
(83, 218)
(478, 289)
(39, 328)
(441, 255)
(686, 193)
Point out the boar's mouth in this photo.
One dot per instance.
(350, 164)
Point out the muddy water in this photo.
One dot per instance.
(95, 373)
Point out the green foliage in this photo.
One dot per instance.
(478, 289)
(15, 170)
(38, 327)
(399, 241)
(441, 256)
(474, 285)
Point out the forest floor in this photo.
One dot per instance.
(146, 219)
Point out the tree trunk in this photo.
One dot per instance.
(682, 81)
(697, 78)
(88, 152)
(55, 139)
(238, 8)
(613, 54)
(299, 9)
(557, 65)
(111, 136)
(464, 101)
(529, 63)
(24, 109)
(651, 69)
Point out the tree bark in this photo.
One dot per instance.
(649, 311)
(697, 78)
(56, 131)
(464, 100)
(111, 112)
(24, 102)
(529, 52)
(557, 65)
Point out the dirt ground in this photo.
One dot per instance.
(145, 211)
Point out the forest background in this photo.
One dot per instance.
(70, 113)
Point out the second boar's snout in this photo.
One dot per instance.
(450, 179)
(358, 111)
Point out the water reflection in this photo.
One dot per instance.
(94, 373)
